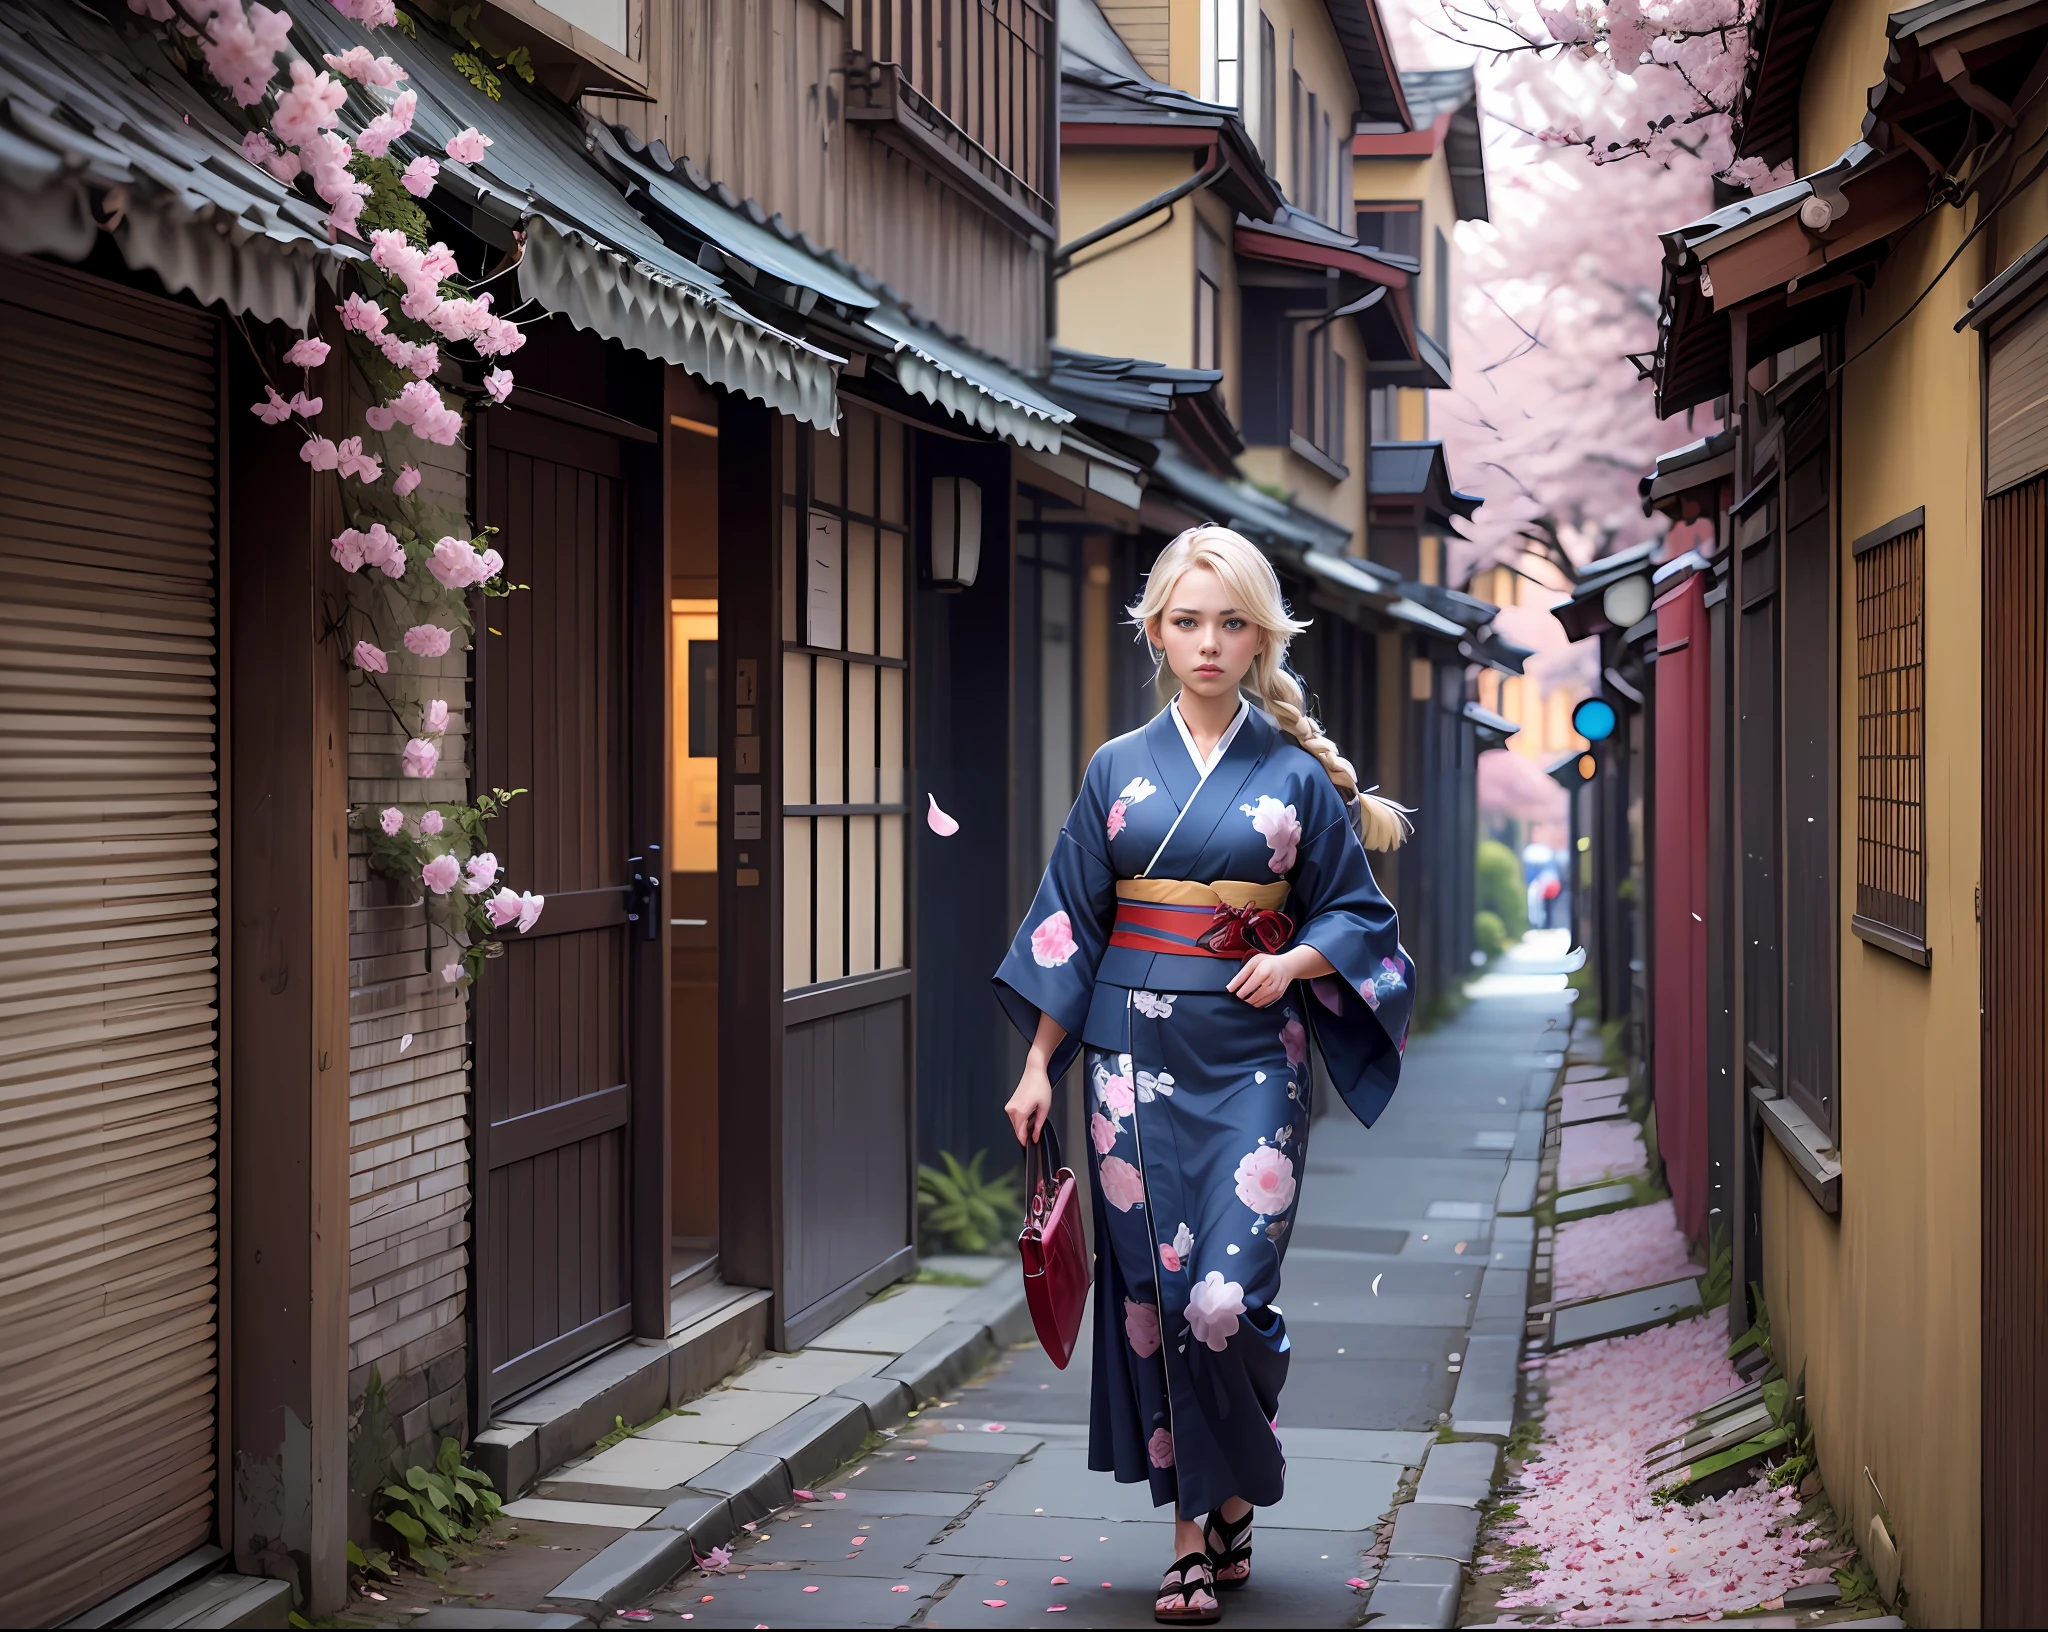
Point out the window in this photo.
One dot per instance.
(1313, 203)
(1326, 173)
(1294, 94)
(603, 20)
(1441, 247)
(1222, 52)
(844, 597)
(1891, 765)
(1269, 91)
(1393, 227)
(1319, 404)
(1384, 402)
(1048, 690)
(1208, 324)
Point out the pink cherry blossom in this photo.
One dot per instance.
(1618, 1252)
(1052, 942)
(428, 640)
(1265, 1181)
(419, 759)
(482, 871)
(1213, 1307)
(451, 972)
(1280, 828)
(313, 104)
(241, 50)
(418, 358)
(371, 658)
(441, 874)
(503, 908)
(499, 384)
(434, 717)
(391, 821)
(365, 317)
(352, 461)
(320, 453)
(1101, 1133)
(1113, 823)
(457, 564)
(273, 410)
(1294, 1039)
(430, 823)
(1123, 1187)
(1141, 1328)
(306, 407)
(937, 820)
(357, 64)
(370, 13)
(1159, 1448)
(406, 480)
(1593, 1151)
(378, 417)
(377, 136)
(418, 177)
(530, 906)
(467, 146)
(308, 351)
(499, 337)
(382, 550)
(258, 149)
(1118, 1095)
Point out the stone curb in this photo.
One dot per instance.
(755, 1480)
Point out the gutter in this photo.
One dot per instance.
(1062, 263)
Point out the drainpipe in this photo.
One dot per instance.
(1062, 262)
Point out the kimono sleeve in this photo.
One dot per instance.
(1360, 1013)
(1051, 964)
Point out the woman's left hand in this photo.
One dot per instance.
(1265, 977)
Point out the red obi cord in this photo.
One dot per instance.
(1221, 931)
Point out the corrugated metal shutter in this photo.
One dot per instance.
(2016, 403)
(109, 948)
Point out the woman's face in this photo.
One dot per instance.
(1209, 643)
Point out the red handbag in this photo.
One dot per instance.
(1055, 1252)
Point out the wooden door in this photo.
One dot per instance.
(1678, 930)
(553, 1040)
(109, 938)
(2015, 1048)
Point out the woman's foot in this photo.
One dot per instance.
(1228, 1540)
(1187, 1594)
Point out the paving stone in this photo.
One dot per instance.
(1435, 1530)
(816, 1439)
(1600, 1199)
(1627, 1312)
(1518, 1187)
(1460, 1473)
(638, 1563)
(1399, 1603)
(824, 1533)
(639, 1464)
(509, 1453)
(460, 1615)
(891, 1326)
(1592, 1110)
(727, 1416)
(1349, 1238)
(1513, 1231)
(569, 1416)
(813, 1371)
(1494, 1139)
(757, 1484)
(886, 1401)
(972, 1436)
(1458, 1211)
(999, 1306)
(933, 1471)
(863, 1503)
(1813, 1596)
(1356, 1445)
(778, 1598)
(605, 1515)
(947, 1357)
(1486, 1386)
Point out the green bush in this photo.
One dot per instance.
(1501, 890)
(965, 1212)
(1487, 933)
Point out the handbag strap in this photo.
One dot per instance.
(1041, 1169)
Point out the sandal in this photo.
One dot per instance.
(1230, 1549)
(1187, 1593)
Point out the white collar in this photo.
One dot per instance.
(1205, 766)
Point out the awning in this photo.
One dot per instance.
(1494, 729)
(1419, 474)
(92, 117)
(1107, 486)
(1350, 573)
(1683, 483)
(1259, 516)
(1418, 616)
(589, 256)
(962, 381)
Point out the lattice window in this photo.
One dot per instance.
(1891, 748)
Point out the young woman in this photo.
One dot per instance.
(1208, 906)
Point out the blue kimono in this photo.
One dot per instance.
(1162, 882)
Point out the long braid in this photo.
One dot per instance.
(1383, 824)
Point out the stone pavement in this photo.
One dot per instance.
(1405, 1296)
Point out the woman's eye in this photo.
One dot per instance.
(1183, 623)
(1234, 623)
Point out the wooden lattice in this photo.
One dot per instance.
(1891, 758)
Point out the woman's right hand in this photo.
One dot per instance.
(1031, 1104)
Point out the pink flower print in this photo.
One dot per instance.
(1114, 824)
(418, 177)
(371, 658)
(1280, 828)
(430, 823)
(1265, 1182)
(307, 352)
(1213, 1307)
(1102, 1132)
(441, 874)
(1118, 1095)
(1159, 1448)
(1168, 1258)
(407, 479)
(1141, 1328)
(1295, 1040)
(419, 758)
(1136, 792)
(1123, 1186)
(428, 640)
(1052, 942)
(391, 821)
(467, 146)
(503, 908)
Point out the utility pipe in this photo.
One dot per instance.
(1062, 262)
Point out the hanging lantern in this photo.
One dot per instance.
(956, 532)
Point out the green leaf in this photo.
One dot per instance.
(449, 1461)
(407, 1526)
(355, 1557)
(1775, 1393)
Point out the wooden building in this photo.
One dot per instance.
(1851, 674)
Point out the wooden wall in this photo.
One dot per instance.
(754, 91)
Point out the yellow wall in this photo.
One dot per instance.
(1882, 1306)
(1134, 295)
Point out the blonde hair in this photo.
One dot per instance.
(1248, 577)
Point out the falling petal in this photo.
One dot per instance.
(900, 1589)
(405, 1042)
(996, 1603)
(803, 1495)
(838, 1495)
(860, 1541)
(1059, 1580)
(991, 1427)
(810, 1589)
(938, 821)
